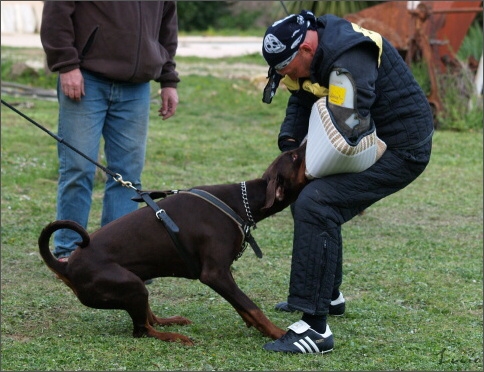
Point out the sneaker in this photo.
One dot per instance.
(336, 308)
(303, 339)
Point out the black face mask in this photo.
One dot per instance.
(271, 87)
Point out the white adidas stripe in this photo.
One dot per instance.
(316, 349)
(305, 347)
(299, 347)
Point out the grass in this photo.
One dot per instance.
(412, 262)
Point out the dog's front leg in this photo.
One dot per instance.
(224, 284)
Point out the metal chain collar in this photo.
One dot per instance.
(246, 205)
(249, 217)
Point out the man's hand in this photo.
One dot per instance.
(287, 143)
(72, 84)
(169, 102)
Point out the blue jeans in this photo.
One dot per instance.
(118, 112)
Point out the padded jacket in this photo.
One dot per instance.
(386, 88)
(132, 41)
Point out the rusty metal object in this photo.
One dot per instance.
(429, 30)
(390, 19)
(420, 42)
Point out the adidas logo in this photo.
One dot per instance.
(306, 345)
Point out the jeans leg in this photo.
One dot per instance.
(125, 134)
(80, 125)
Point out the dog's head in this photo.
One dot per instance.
(286, 177)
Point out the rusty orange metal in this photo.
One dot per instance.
(429, 30)
(390, 19)
(450, 23)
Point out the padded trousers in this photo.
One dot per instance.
(327, 203)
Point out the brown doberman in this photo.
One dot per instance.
(108, 268)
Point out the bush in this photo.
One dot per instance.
(472, 43)
(201, 15)
(462, 108)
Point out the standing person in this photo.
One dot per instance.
(333, 58)
(106, 54)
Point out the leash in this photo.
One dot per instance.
(117, 177)
(160, 213)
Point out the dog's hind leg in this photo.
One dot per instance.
(143, 318)
(139, 310)
(117, 288)
(177, 320)
(141, 329)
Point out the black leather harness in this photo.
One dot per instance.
(174, 231)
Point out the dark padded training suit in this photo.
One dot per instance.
(403, 119)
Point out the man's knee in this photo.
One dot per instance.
(311, 208)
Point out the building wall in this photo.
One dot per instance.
(21, 16)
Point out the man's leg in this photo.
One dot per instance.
(80, 125)
(125, 135)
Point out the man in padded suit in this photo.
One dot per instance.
(308, 54)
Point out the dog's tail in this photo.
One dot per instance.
(60, 268)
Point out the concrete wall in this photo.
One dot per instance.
(21, 16)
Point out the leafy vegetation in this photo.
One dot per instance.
(472, 43)
(338, 8)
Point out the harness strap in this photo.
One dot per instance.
(173, 231)
(243, 226)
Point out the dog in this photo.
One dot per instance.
(108, 268)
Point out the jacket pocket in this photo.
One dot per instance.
(89, 43)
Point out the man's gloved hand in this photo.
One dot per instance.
(287, 143)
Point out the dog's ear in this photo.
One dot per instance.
(275, 190)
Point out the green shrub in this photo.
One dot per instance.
(472, 43)
(462, 108)
(201, 15)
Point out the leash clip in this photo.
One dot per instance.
(119, 179)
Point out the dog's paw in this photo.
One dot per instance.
(186, 341)
(173, 320)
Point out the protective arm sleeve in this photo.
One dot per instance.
(362, 63)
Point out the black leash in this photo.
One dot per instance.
(117, 177)
(160, 213)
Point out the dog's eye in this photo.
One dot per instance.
(294, 157)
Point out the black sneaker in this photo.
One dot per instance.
(336, 308)
(303, 339)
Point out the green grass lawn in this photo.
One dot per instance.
(412, 262)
